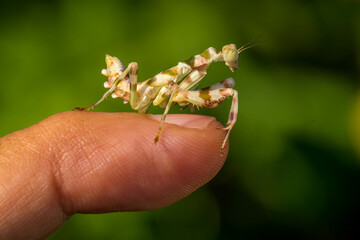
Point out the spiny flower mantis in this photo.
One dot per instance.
(175, 85)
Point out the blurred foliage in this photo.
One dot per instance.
(292, 171)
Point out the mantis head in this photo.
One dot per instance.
(230, 55)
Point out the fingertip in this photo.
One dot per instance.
(106, 156)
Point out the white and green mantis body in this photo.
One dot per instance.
(175, 85)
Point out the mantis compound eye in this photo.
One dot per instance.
(230, 55)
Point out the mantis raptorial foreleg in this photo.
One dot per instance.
(212, 98)
(227, 83)
(232, 115)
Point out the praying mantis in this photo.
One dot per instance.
(174, 86)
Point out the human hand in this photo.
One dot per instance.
(91, 162)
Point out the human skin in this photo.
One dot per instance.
(91, 162)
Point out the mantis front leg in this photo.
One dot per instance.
(211, 97)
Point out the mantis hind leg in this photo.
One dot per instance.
(132, 68)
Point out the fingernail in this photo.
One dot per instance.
(188, 120)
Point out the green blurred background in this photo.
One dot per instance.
(292, 171)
